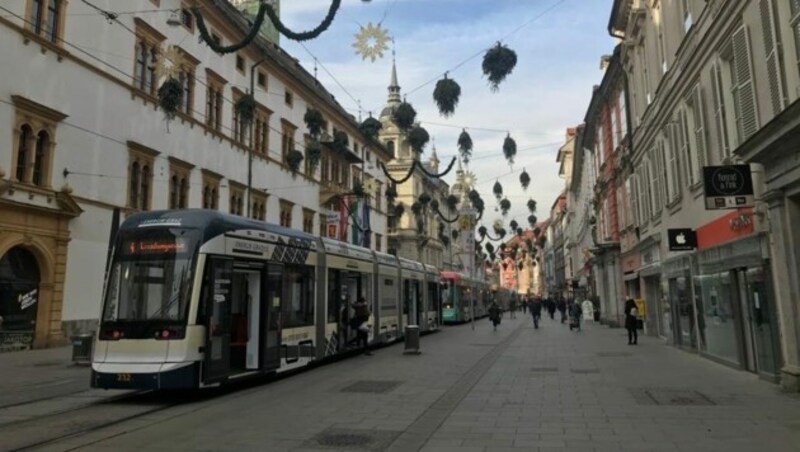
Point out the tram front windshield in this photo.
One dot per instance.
(151, 276)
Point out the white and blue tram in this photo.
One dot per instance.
(196, 298)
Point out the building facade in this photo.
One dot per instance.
(86, 145)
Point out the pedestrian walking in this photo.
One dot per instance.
(536, 312)
(551, 308)
(360, 320)
(494, 314)
(575, 313)
(513, 307)
(525, 305)
(631, 319)
(562, 308)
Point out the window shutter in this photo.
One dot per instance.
(684, 148)
(661, 167)
(772, 49)
(743, 68)
(633, 195)
(719, 110)
(673, 148)
(699, 113)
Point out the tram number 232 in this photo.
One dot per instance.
(124, 378)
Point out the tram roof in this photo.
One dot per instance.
(212, 222)
(346, 249)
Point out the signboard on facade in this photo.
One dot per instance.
(728, 187)
(681, 239)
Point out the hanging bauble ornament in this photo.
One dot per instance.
(532, 220)
(446, 95)
(513, 224)
(371, 42)
(524, 179)
(404, 116)
(505, 206)
(498, 62)
(465, 146)
(294, 158)
(418, 137)
(497, 189)
(532, 205)
(452, 202)
(370, 127)
(314, 121)
(509, 149)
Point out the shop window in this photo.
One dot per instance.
(140, 175)
(46, 18)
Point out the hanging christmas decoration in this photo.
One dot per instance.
(532, 220)
(314, 121)
(509, 149)
(418, 137)
(489, 247)
(399, 210)
(391, 193)
(497, 189)
(505, 206)
(519, 232)
(513, 224)
(370, 127)
(446, 95)
(465, 146)
(370, 187)
(246, 109)
(532, 205)
(294, 159)
(454, 234)
(169, 63)
(417, 166)
(264, 10)
(416, 208)
(371, 41)
(434, 205)
(340, 141)
(468, 180)
(314, 154)
(404, 116)
(482, 231)
(170, 97)
(424, 199)
(452, 202)
(358, 189)
(498, 62)
(524, 179)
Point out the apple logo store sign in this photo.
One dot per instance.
(681, 239)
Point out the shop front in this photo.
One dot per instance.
(658, 316)
(676, 281)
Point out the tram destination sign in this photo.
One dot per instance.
(728, 187)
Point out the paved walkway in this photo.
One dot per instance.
(514, 389)
(39, 374)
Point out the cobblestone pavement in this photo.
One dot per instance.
(515, 389)
(38, 374)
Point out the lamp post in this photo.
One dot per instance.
(252, 138)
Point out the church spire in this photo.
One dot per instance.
(394, 87)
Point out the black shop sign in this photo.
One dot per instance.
(681, 239)
(728, 187)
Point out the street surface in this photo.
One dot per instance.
(514, 389)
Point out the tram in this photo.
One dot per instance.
(196, 298)
(458, 293)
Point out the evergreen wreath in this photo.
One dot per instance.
(294, 158)
(509, 148)
(446, 95)
(370, 127)
(505, 206)
(532, 205)
(497, 189)
(465, 146)
(314, 121)
(264, 9)
(498, 62)
(170, 97)
(418, 137)
(314, 154)
(246, 109)
(404, 116)
(524, 179)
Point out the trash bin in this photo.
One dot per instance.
(412, 340)
(82, 349)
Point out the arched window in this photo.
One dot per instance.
(23, 151)
(144, 192)
(136, 176)
(40, 159)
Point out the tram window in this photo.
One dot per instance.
(388, 297)
(297, 303)
(333, 295)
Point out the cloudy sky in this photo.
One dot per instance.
(558, 44)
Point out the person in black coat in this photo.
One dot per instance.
(536, 311)
(494, 314)
(631, 317)
(562, 308)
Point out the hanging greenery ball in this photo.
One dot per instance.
(404, 116)
(482, 231)
(452, 202)
(370, 127)
(513, 224)
(497, 189)
(418, 137)
(473, 195)
(479, 205)
(454, 234)
(170, 97)
(446, 95)
(314, 154)
(519, 232)
(416, 208)
(424, 198)
(340, 141)
(294, 159)
(399, 209)
(524, 179)
(509, 148)
(246, 109)
(435, 206)
(490, 248)
(391, 192)
(498, 62)
(505, 206)
(445, 240)
(532, 220)
(532, 205)
(465, 146)
(314, 121)
(358, 189)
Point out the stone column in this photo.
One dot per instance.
(784, 279)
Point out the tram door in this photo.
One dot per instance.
(271, 350)
(217, 311)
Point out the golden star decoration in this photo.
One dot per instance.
(371, 42)
(370, 186)
(468, 181)
(169, 63)
(465, 223)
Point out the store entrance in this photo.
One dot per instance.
(19, 296)
(758, 321)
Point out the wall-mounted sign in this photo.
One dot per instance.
(728, 187)
(681, 239)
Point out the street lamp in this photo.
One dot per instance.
(252, 139)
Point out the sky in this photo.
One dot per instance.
(558, 44)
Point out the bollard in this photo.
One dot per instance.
(412, 340)
(82, 349)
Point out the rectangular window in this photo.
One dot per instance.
(308, 221)
(378, 195)
(187, 19)
(287, 139)
(720, 111)
(773, 49)
(240, 129)
(46, 18)
(286, 208)
(614, 128)
(240, 63)
(179, 183)
(297, 300)
(236, 198)
(378, 240)
(261, 131)
(288, 98)
(668, 151)
(258, 205)
(140, 175)
(262, 80)
(795, 23)
(214, 100)
(211, 182)
(743, 89)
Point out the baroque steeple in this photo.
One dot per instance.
(394, 87)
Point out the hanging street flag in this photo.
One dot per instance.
(344, 219)
(354, 212)
(365, 225)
